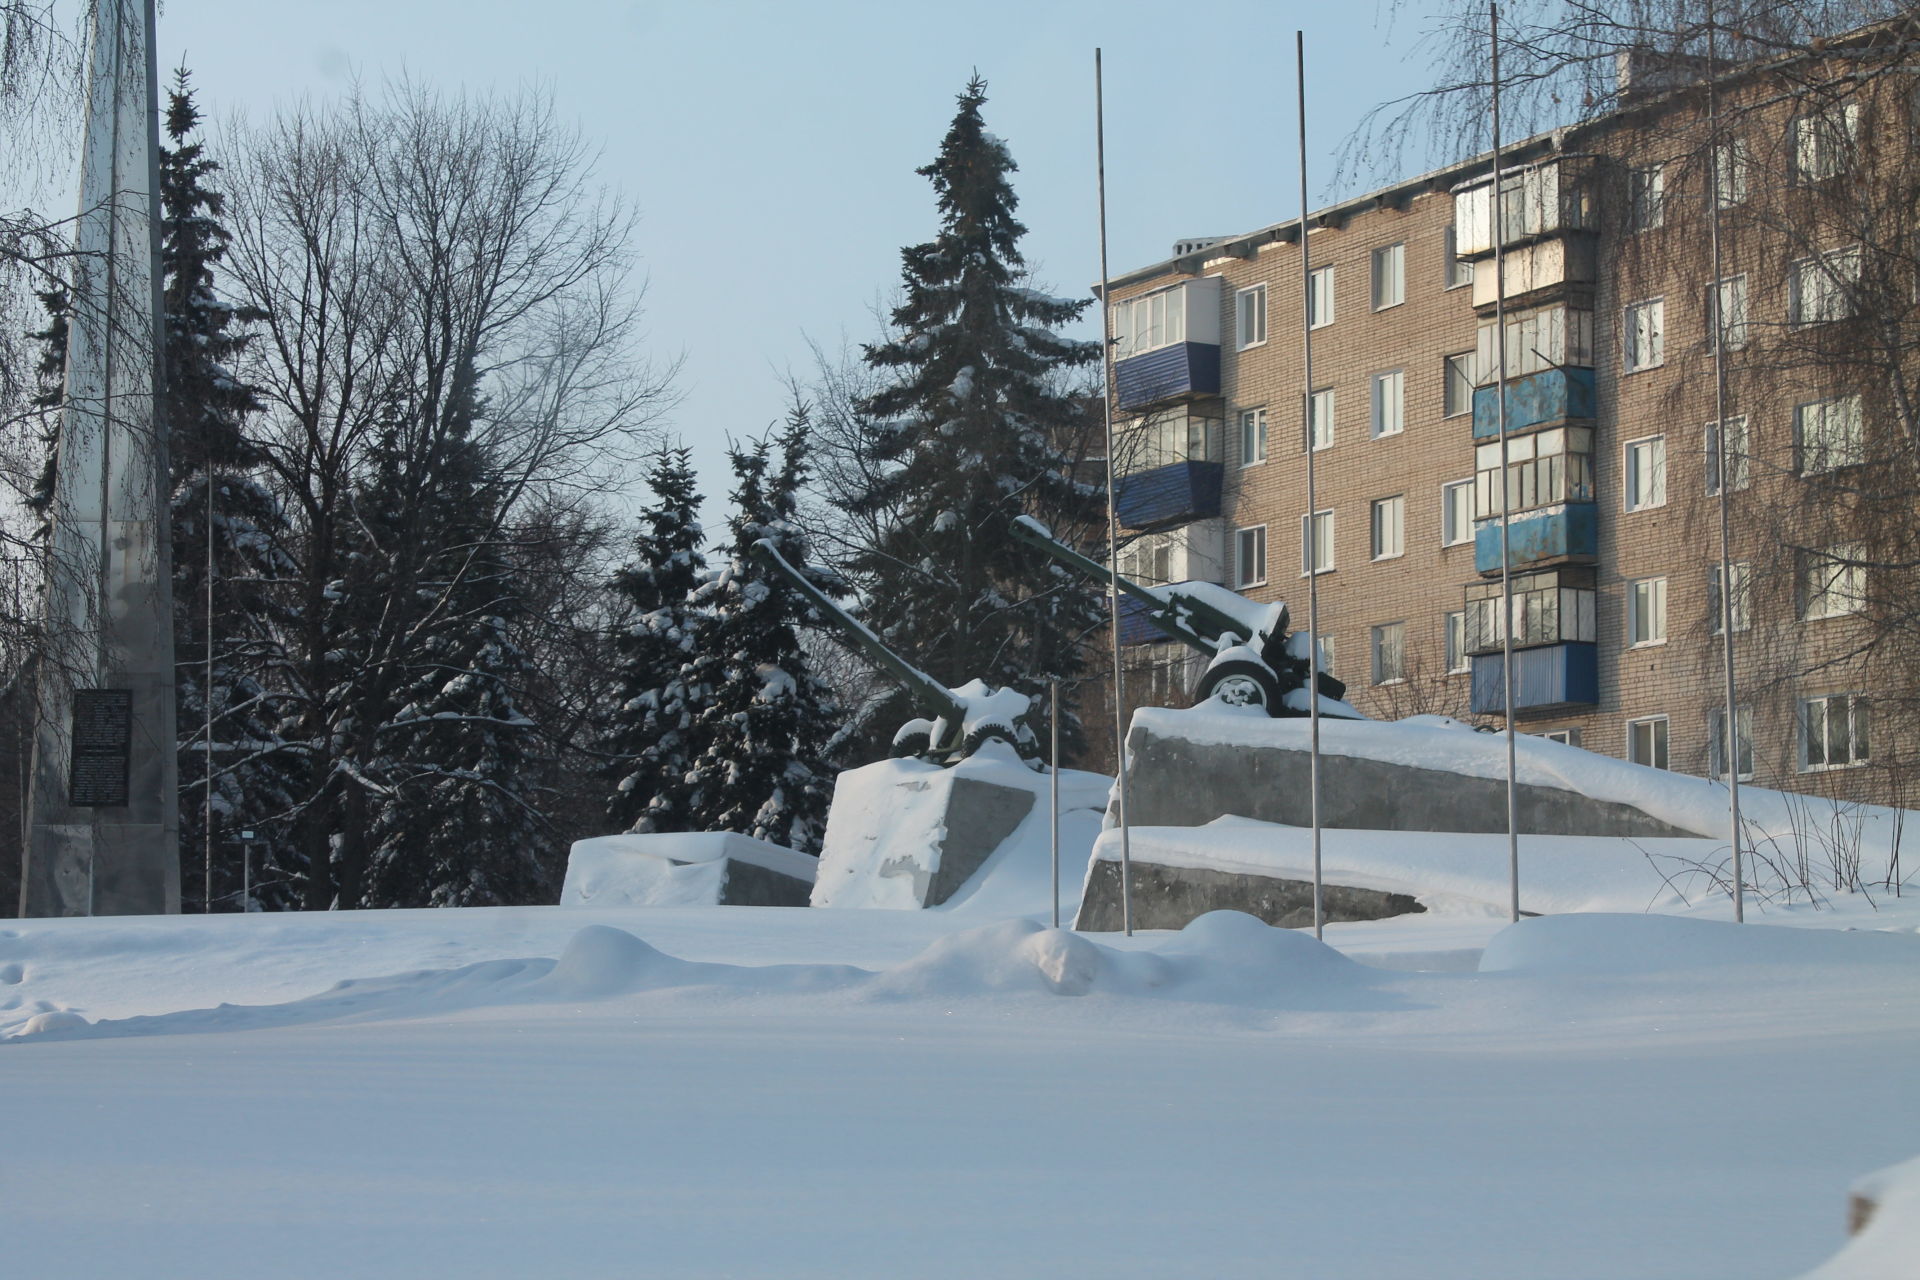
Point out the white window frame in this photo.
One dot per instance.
(1839, 438)
(1647, 197)
(1820, 143)
(1833, 584)
(1818, 288)
(1659, 741)
(1742, 597)
(1457, 371)
(1859, 731)
(1387, 523)
(1731, 293)
(1646, 613)
(1456, 272)
(1456, 494)
(1316, 420)
(1250, 313)
(1643, 335)
(1569, 736)
(1252, 539)
(1389, 402)
(1732, 165)
(1320, 297)
(1173, 326)
(1253, 437)
(1717, 742)
(1739, 454)
(1388, 649)
(1454, 643)
(1630, 496)
(1322, 543)
(1389, 276)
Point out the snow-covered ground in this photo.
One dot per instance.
(766, 1092)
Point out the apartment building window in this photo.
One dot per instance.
(1644, 335)
(1738, 451)
(1833, 582)
(1822, 141)
(1717, 742)
(1316, 543)
(1457, 393)
(1457, 659)
(1253, 436)
(1458, 272)
(1833, 731)
(1742, 574)
(1552, 606)
(1456, 513)
(1250, 556)
(1164, 438)
(1389, 527)
(1390, 653)
(1828, 434)
(1320, 297)
(1567, 737)
(1542, 468)
(1646, 474)
(1324, 652)
(1727, 312)
(1389, 276)
(1647, 197)
(1150, 321)
(1822, 288)
(1250, 310)
(1539, 340)
(1389, 403)
(1732, 166)
(1320, 418)
(1647, 741)
(1646, 612)
(1148, 559)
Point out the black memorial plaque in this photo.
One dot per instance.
(102, 747)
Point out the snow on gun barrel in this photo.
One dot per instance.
(953, 723)
(1252, 661)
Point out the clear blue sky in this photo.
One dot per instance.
(770, 147)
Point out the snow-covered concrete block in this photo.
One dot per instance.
(713, 868)
(906, 834)
(1171, 897)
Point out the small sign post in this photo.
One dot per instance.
(102, 748)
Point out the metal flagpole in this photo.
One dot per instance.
(206, 692)
(1113, 516)
(1310, 542)
(1500, 405)
(1053, 789)
(1730, 727)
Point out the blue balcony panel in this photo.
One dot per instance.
(1542, 399)
(1134, 627)
(1173, 494)
(1566, 533)
(1550, 678)
(1167, 374)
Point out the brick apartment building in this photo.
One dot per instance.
(1613, 462)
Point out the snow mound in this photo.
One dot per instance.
(1016, 955)
(603, 961)
(1604, 943)
(1887, 1246)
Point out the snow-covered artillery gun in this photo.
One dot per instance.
(953, 723)
(1252, 660)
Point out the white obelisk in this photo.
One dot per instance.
(102, 809)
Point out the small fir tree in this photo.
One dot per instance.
(648, 730)
(763, 769)
(965, 437)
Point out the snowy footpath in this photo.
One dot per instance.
(758, 1092)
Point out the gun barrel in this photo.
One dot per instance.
(1183, 617)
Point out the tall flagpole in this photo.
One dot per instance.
(1730, 730)
(1113, 516)
(1506, 515)
(1309, 539)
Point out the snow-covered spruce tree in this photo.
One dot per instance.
(764, 733)
(455, 817)
(965, 436)
(648, 730)
(255, 772)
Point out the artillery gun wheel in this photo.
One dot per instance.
(1241, 682)
(983, 734)
(915, 738)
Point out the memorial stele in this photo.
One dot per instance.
(102, 807)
